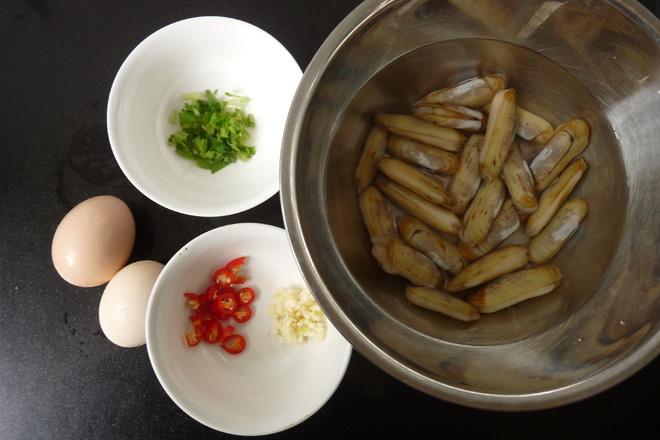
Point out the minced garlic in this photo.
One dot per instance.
(296, 316)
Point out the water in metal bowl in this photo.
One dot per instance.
(592, 60)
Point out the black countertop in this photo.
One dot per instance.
(60, 378)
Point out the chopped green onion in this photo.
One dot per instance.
(213, 132)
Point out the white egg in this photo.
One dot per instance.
(123, 307)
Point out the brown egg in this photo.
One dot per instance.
(93, 241)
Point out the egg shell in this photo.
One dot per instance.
(123, 306)
(93, 241)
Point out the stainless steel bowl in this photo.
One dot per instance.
(597, 60)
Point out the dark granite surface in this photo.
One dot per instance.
(60, 378)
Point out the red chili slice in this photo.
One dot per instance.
(212, 332)
(239, 279)
(223, 277)
(212, 293)
(243, 313)
(193, 338)
(228, 275)
(246, 295)
(196, 320)
(235, 264)
(207, 316)
(226, 332)
(233, 344)
(193, 300)
(226, 303)
(203, 301)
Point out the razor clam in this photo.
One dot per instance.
(442, 302)
(379, 252)
(465, 181)
(500, 131)
(374, 148)
(519, 181)
(481, 213)
(554, 195)
(490, 266)
(435, 216)
(451, 116)
(506, 223)
(426, 156)
(562, 226)
(424, 239)
(532, 127)
(423, 131)
(516, 287)
(412, 265)
(421, 183)
(567, 142)
(377, 215)
(473, 92)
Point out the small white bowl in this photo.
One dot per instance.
(193, 55)
(270, 386)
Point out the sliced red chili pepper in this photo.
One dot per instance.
(193, 300)
(233, 344)
(193, 338)
(226, 332)
(212, 331)
(228, 275)
(226, 302)
(196, 320)
(203, 301)
(223, 277)
(212, 293)
(243, 313)
(235, 264)
(246, 295)
(207, 316)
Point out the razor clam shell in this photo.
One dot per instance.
(532, 127)
(374, 147)
(423, 155)
(519, 181)
(421, 183)
(567, 142)
(424, 239)
(412, 265)
(423, 131)
(436, 216)
(378, 215)
(473, 92)
(555, 235)
(442, 302)
(483, 210)
(500, 131)
(516, 287)
(490, 266)
(506, 223)
(465, 181)
(554, 195)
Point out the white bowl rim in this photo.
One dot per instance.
(270, 107)
(335, 350)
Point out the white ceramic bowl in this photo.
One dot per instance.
(193, 55)
(270, 386)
